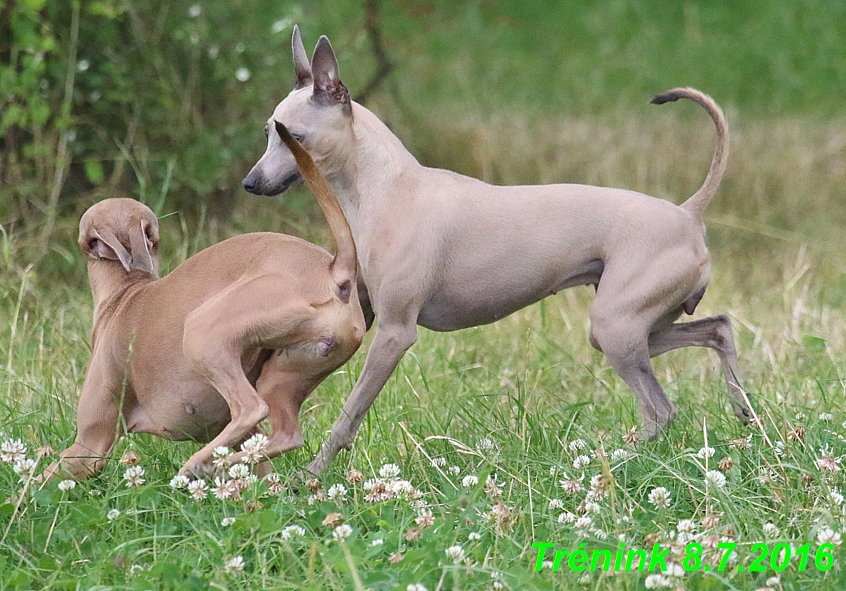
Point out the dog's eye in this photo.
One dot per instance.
(92, 244)
(299, 137)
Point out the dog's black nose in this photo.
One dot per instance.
(249, 183)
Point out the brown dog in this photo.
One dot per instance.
(240, 332)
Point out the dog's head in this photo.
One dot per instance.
(318, 113)
(122, 230)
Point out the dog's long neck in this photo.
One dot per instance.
(373, 166)
(110, 284)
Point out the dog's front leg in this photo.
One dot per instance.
(97, 421)
(389, 344)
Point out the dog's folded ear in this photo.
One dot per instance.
(328, 88)
(302, 67)
(143, 239)
(103, 244)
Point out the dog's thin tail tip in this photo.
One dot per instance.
(669, 96)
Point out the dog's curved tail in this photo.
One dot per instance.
(344, 265)
(697, 203)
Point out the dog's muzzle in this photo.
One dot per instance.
(258, 185)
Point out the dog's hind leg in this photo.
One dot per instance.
(715, 333)
(217, 333)
(628, 354)
(284, 393)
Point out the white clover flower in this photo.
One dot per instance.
(242, 74)
(571, 485)
(800, 416)
(197, 489)
(239, 471)
(492, 487)
(134, 476)
(400, 488)
(291, 531)
(835, 497)
(773, 581)
(223, 489)
(828, 536)
(438, 462)
(425, 518)
(778, 449)
(584, 522)
(620, 454)
(577, 444)
(486, 444)
(592, 507)
(220, 457)
(195, 10)
(454, 470)
(179, 481)
(473, 536)
(389, 471)
(469, 481)
(705, 452)
(455, 553)
(83, 65)
(598, 533)
(227, 521)
(236, 563)
(659, 497)
(342, 532)
(416, 587)
(581, 462)
(113, 514)
(566, 517)
(12, 450)
(253, 448)
(66, 485)
(597, 482)
(771, 530)
(24, 466)
(556, 504)
(377, 542)
(828, 463)
(656, 581)
(715, 478)
(686, 525)
(336, 492)
(825, 416)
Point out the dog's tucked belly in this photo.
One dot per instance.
(472, 303)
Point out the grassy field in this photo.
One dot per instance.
(515, 403)
(516, 433)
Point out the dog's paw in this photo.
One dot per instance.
(197, 469)
(649, 431)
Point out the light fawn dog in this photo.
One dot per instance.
(240, 332)
(444, 251)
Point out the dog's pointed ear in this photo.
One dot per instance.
(302, 67)
(328, 88)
